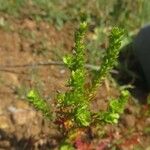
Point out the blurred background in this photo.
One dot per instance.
(34, 37)
(102, 15)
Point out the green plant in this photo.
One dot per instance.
(35, 99)
(109, 60)
(115, 108)
(74, 104)
(11, 6)
(75, 99)
(66, 146)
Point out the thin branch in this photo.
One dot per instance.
(48, 63)
(11, 71)
(33, 64)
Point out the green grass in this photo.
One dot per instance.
(12, 7)
(99, 12)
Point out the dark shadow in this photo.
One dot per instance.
(131, 73)
(24, 144)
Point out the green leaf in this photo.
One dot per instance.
(110, 58)
(115, 108)
(83, 116)
(68, 61)
(66, 146)
(40, 104)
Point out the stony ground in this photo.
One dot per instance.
(21, 126)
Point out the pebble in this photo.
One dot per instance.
(4, 122)
(4, 144)
(20, 104)
(129, 121)
(22, 116)
(62, 71)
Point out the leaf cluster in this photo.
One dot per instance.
(115, 108)
(77, 99)
(40, 104)
(110, 58)
(74, 104)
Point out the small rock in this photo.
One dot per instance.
(20, 104)
(62, 71)
(34, 130)
(12, 79)
(4, 144)
(22, 116)
(129, 121)
(4, 122)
